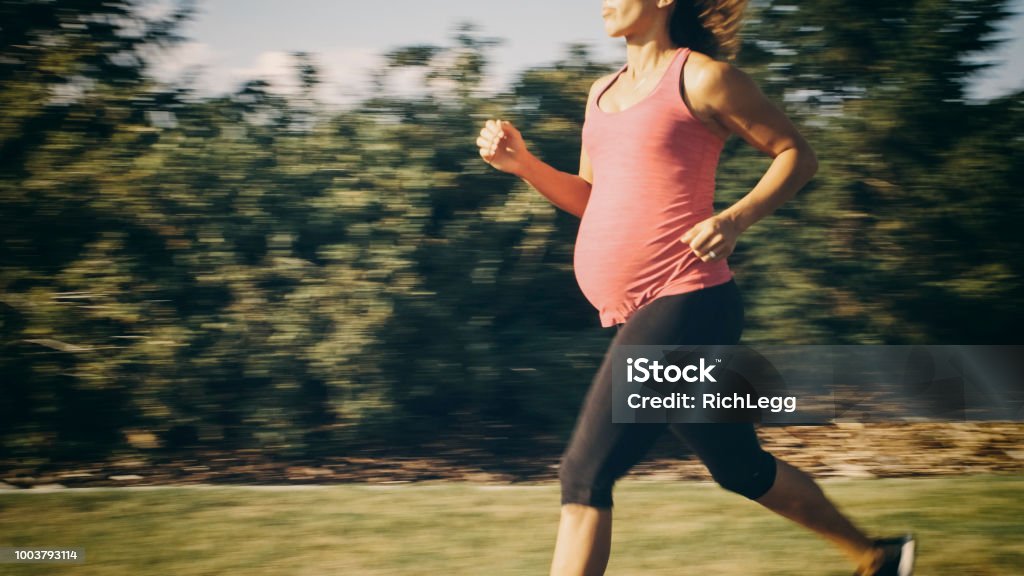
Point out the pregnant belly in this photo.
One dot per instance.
(619, 264)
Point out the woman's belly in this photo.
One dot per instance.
(628, 253)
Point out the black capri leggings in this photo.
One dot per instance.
(600, 452)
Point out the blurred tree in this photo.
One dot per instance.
(889, 244)
(75, 99)
(472, 351)
(254, 270)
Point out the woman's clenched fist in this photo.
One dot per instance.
(501, 145)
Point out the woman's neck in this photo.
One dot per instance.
(644, 55)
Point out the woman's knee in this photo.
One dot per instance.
(751, 478)
(584, 485)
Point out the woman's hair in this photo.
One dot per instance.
(708, 26)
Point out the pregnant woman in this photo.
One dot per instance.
(651, 256)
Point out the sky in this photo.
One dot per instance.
(231, 41)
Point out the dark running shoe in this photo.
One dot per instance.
(900, 554)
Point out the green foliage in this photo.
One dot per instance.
(906, 233)
(253, 270)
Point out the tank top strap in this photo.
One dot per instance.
(668, 85)
(669, 79)
(677, 66)
(608, 84)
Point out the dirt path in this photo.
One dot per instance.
(845, 450)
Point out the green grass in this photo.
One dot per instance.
(967, 525)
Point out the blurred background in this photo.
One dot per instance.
(265, 229)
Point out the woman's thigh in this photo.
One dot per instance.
(600, 451)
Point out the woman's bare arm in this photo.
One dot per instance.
(570, 192)
(501, 145)
(733, 100)
(736, 102)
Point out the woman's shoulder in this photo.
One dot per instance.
(708, 79)
(601, 81)
(596, 85)
(706, 71)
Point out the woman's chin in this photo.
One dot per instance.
(612, 32)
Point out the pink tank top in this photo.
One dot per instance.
(654, 178)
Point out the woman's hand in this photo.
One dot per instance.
(712, 239)
(501, 145)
